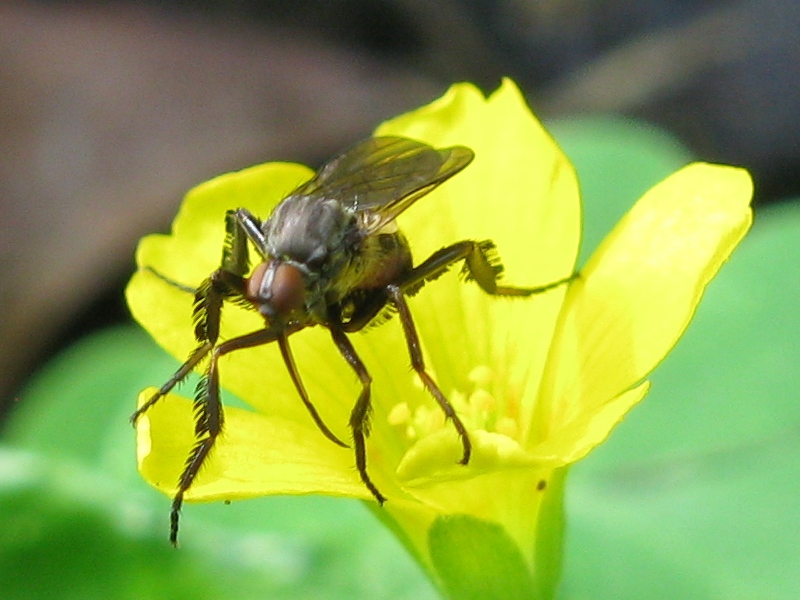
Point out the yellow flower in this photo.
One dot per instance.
(538, 382)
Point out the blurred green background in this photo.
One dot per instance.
(114, 110)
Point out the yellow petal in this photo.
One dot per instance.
(639, 290)
(522, 193)
(575, 440)
(255, 456)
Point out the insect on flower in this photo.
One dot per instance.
(330, 254)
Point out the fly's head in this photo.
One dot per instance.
(309, 243)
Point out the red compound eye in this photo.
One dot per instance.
(288, 289)
(276, 288)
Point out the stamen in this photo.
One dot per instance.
(483, 403)
(478, 409)
(480, 376)
(400, 414)
(428, 419)
(507, 426)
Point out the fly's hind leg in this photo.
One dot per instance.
(481, 264)
(208, 410)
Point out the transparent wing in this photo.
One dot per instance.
(385, 175)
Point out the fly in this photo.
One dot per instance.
(330, 254)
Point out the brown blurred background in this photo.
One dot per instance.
(109, 112)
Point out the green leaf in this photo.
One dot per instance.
(617, 161)
(705, 527)
(78, 407)
(477, 560)
(66, 532)
(549, 551)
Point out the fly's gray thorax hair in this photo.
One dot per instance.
(316, 233)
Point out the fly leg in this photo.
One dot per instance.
(209, 417)
(480, 264)
(172, 282)
(359, 416)
(397, 298)
(242, 226)
(208, 412)
(208, 409)
(207, 309)
(288, 360)
(226, 282)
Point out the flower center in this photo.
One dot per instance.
(476, 405)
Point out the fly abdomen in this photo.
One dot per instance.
(383, 257)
